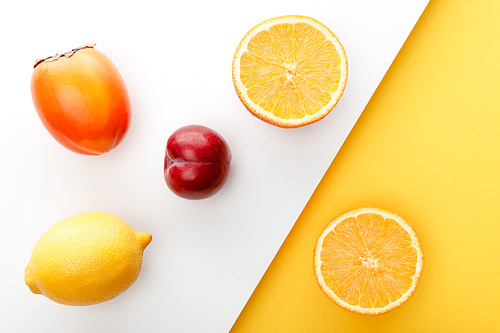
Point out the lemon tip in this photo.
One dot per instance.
(144, 238)
(31, 284)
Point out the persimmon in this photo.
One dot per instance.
(82, 100)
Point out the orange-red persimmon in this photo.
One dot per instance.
(82, 100)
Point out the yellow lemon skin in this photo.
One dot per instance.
(86, 259)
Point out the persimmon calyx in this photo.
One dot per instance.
(64, 55)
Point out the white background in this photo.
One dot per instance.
(206, 256)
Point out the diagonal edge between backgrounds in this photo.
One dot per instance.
(289, 234)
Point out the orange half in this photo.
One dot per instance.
(368, 261)
(290, 71)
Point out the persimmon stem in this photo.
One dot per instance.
(66, 54)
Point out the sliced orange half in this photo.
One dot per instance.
(368, 261)
(290, 71)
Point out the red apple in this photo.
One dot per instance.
(197, 162)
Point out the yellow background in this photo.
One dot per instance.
(427, 147)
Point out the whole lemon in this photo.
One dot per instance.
(86, 259)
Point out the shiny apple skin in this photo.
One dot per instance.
(197, 162)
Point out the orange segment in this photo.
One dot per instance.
(290, 71)
(368, 261)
